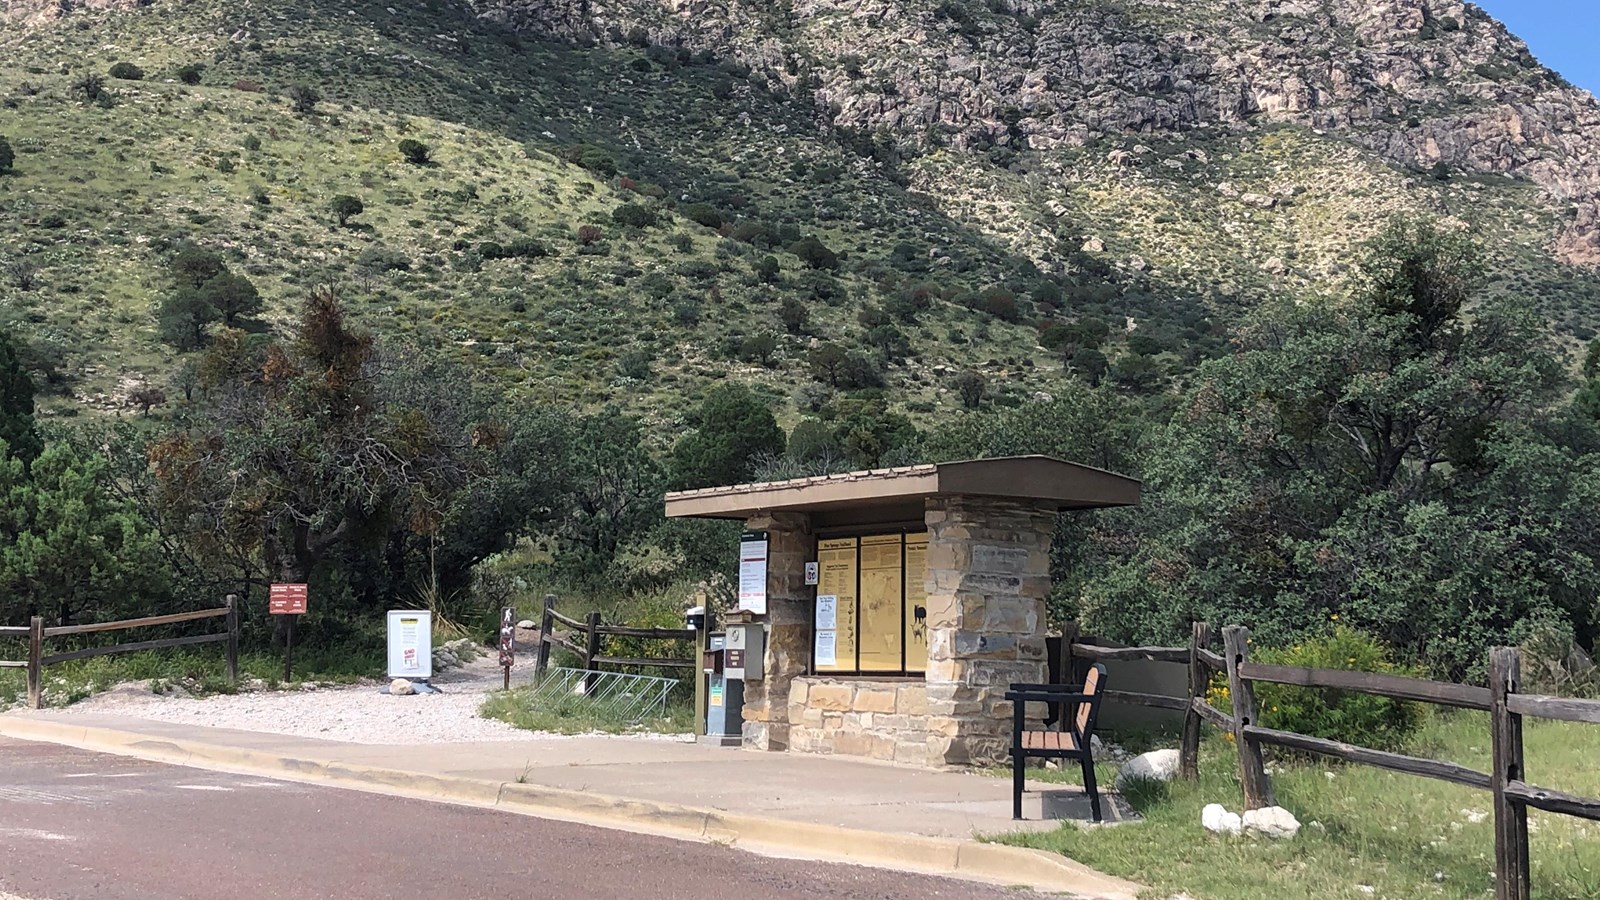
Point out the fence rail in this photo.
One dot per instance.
(37, 634)
(592, 634)
(1502, 700)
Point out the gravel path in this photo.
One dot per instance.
(358, 714)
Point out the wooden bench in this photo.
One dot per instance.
(1080, 707)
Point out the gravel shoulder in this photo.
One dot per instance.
(361, 714)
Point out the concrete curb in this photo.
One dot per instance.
(996, 863)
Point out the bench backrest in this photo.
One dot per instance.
(1087, 712)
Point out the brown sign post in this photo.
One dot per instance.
(288, 600)
(508, 641)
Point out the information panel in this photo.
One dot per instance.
(753, 572)
(882, 632)
(835, 643)
(916, 602)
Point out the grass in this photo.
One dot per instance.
(1400, 836)
(198, 672)
(574, 714)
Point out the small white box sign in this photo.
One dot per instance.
(410, 644)
(813, 573)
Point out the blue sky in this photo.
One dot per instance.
(1561, 33)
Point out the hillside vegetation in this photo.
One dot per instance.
(947, 259)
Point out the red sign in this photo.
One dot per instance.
(287, 600)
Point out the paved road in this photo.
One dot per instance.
(75, 824)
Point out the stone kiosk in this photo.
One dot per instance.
(930, 601)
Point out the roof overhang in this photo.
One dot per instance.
(885, 495)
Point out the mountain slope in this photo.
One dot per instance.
(1159, 167)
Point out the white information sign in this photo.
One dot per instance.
(827, 612)
(410, 643)
(827, 650)
(753, 572)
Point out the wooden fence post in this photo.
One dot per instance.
(1512, 878)
(1199, 680)
(546, 622)
(35, 665)
(1252, 769)
(233, 638)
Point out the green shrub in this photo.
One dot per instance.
(632, 215)
(1351, 718)
(814, 253)
(90, 87)
(190, 74)
(305, 98)
(416, 152)
(127, 71)
(8, 157)
(703, 213)
(519, 248)
(346, 207)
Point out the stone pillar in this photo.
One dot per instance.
(987, 580)
(766, 702)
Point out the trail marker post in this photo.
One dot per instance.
(288, 600)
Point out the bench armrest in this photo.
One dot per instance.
(1042, 697)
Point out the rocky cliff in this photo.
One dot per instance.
(1421, 82)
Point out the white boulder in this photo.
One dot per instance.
(1272, 821)
(1157, 765)
(527, 624)
(1218, 820)
(401, 687)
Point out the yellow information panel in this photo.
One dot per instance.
(834, 648)
(916, 602)
(882, 603)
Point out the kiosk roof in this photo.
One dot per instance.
(882, 495)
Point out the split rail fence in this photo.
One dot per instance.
(588, 637)
(1503, 700)
(36, 634)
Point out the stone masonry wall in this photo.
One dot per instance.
(766, 702)
(883, 719)
(988, 576)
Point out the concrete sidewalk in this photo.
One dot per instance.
(783, 804)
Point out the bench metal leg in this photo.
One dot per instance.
(1089, 786)
(1017, 761)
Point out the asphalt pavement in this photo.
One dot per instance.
(76, 824)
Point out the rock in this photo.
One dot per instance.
(1157, 765)
(1094, 245)
(1272, 821)
(1218, 820)
(527, 624)
(401, 688)
(1259, 200)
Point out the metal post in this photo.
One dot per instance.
(546, 622)
(288, 651)
(591, 648)
(701, 700)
